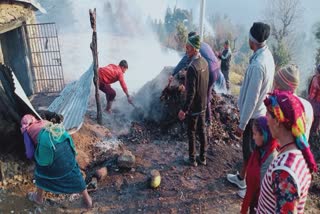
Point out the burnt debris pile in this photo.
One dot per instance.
(161, 102)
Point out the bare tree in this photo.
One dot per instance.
(317, 37)
(223, 29)
(283, 17)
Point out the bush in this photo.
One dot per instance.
(236, 77)
(281, 54)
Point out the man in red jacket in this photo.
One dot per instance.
(111, 74)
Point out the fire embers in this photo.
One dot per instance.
(138, 134)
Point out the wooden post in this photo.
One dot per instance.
(94, 49)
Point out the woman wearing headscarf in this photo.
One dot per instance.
(285, 186)
(54, 153)
(287, 79)
(314, 98)
(262, 156)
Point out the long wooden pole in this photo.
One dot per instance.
(202, 12)
(94, 49)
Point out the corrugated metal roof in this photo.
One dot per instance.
(12, 85)
(34, 3)
(20, 93)
(73, 101)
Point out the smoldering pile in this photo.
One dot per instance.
(161, 102)
(225, 118)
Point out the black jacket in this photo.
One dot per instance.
(197, 86)
(225, 59)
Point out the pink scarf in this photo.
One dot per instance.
(33, 126)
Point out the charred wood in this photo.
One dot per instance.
(94, 49)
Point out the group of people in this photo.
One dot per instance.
(275, 176)
(218, 73)
(274, 125)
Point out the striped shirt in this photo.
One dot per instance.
(293, 163)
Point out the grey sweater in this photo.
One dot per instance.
(257, 83)
(266, 164)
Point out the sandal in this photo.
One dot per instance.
(32, 197)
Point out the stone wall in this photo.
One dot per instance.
(13, 15)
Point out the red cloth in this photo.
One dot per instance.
(111, 74)
(253, 176)
(314, 88)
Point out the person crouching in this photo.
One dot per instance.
(56, 169)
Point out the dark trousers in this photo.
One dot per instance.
(315, 128)
(110, 93)
(196, 125)
(247, 141)
(226, 76)
(209, 97)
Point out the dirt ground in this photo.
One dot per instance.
(183, 189)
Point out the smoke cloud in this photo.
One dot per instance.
(125, 37)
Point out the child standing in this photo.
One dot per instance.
(264, 153)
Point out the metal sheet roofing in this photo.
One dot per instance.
(34, 3)
(13, 87)
(73, 101)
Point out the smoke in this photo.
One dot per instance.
(126, 36)
(122, 34)
(300, 43)
(304, 57)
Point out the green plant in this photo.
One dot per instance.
(181, 36)
(281, 54)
